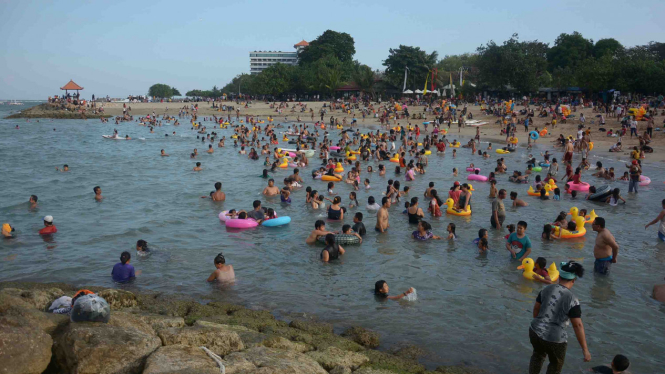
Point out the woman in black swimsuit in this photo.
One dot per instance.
(335, 212)
(414, 212)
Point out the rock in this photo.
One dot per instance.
(250, 338)
(384, 361)
(290, 333)
(158, 322)
(368, 370)
(131, 321)
(362, 336)
(180, 359)
(24, 350)
(166, 305)
(271, 361)
(103, 348)
(217, 340)
(282, 343)
(38, 299)
(411, 352)
(458, 370)
(29, 317)
(118, 299)
(312, 327)
(332, 357)
(8, 301)
(340, 370)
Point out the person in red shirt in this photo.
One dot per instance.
(441, 146)
(576, 177)
(49, 227)
(455, 192)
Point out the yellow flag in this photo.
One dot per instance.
(425, 90)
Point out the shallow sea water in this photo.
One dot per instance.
(471, 309)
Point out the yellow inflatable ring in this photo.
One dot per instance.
(502, 152)
(452, 211)
(513, 140)
(330, 178)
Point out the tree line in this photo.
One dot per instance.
(516, 66)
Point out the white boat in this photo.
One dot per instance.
(15, 103)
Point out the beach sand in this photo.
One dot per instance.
(490, 132)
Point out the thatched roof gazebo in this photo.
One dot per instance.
(71, 86)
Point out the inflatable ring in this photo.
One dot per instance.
(544, 165)
(274, 222)
(534, 135)
(543, 132)
(477, 177)
(452, 211)
(536, 168)
(565, 234)
(644, 181)
(334, 148)
(455, 145)
(330, 178)
(343, 239)
(501, 151)
(582, 187)
(602, 193)
(428, 152)
(528, 265)
(241, 223)
(472, 169)
(532, 192)
(513, 140)
(351, 157)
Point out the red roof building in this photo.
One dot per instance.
(71, 86)
(302, 43)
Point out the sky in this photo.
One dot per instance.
(120, 48)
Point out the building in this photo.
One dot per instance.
(261, 60)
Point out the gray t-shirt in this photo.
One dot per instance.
(256, 214)
(558, 305)
(497, 206)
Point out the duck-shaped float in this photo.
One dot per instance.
(579, 221)
(350, 157)
(528, 265)
(284, 164)
(339, 168)
(452, 211)
(395, 158)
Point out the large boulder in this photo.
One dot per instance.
(332, 357)
(312, 327)
(180, 359)
(219, 341)
(24, 350)
(28, 317)
(271, 361)
(103, 348)
(362, 336)
(38, 299)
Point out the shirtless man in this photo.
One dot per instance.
(64, 168)
(568, 151)
(271, 190)
(296, 176)
(319, 230)
(33, 201)
(98, 193)
(163, 154)
(223, 272)
(382, 215)
(605, 249)
(198, 167)
(218, 195)
(517, 202)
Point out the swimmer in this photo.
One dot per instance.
(451, 232)
(454, 172)
(142, 247)
(65, 167)
(347, 230)
(198, 167)
(7, 231)
(371, 204)
(223, 272)
(517, 202)
(319, 230)
(210, 150)
(122, 271)
(382, 215)
(381, 291)
(98, 193)
(332, 251)
(33, 201)
(482, 234)
(424, 232)
(271, 190)
(163, 154)
(218, 195)
(358, 225)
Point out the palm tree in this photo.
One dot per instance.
(364, 78)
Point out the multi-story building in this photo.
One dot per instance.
(261, 60)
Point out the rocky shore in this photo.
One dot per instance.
(160, 334)
(55, 111)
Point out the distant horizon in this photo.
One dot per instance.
(122, 48)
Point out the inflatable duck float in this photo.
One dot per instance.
(528, 264)
(452, 211)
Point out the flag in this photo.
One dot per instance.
(425, 90)
(405, 69)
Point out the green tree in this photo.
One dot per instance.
(275, 80)
(160, 90)
(418, 61)
(569, 50)
(364, 77)
(330, 43)
(608, 46)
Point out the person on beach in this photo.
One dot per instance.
(49, 227)
(319, 230)
(556, 306)
(123, 272)
(518, 243)
(606, 249)
(498, 210)
(223, 272)
(98, 193)
(382, 215)
(332, 251)
(661, 219)
(381, 290)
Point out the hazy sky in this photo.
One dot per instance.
(119, 48)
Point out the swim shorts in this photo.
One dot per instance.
(602, 265)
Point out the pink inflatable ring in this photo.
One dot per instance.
(644, 181)
(477, 177)
(472, 169)
(582, 187)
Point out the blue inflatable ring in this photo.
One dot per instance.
(534, 135)
(279, 221)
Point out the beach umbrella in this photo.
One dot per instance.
(408, 92)
(418, 91)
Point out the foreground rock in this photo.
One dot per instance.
(24, 350)
(220, 341)
(271, 361)
(180, 359)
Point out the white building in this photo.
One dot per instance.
(261, 60)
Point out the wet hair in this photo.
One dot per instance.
(142, 244)
(547, 231)
(346, 228)
(511, 228)
(125, 257)
(557, 191)
(331, 185)
(414, 200)
(218, 185)
(384, 200)
(620, 363)
(242, 215)
(600, 221)
(521, 223)
(426, 225)
(94, 189)
(198, 164)
(219, 259)
(573, 267)
(34, 198)
(378, 286)
(319, 223)
(359, 216)
(482, 232)
(541, 262)
(452, 228)
(573, 193)
(615, 193)
(572, 226)
(513, 194)
(330, 239)
(431, 184)
(337, 200)
(256, 203)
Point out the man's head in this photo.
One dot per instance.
(97, 190)
(33, 199)
(502, 194)
(257, 204)
(598, 224)
(359, 217)
(48, 221)
(620, 363)
(385, 201)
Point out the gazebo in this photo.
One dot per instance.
(71, 86)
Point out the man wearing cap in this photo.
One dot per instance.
(49, 227)
(7, 231)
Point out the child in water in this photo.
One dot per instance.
(619, 365)
(354, 200)
(381, 291)
(223, 272)
(142, 248)
(547, 233)
(482, 234)
(285, 195)
(451, 232)
(540, 268)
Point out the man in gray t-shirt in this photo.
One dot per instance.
(256, 214)
(560, 305)
(498, 210)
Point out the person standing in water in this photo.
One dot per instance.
(382, 215)
(98, 193)
(218, 195)
(606, 249)
(661, 219)
(555, 307)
